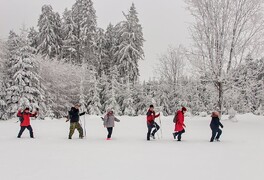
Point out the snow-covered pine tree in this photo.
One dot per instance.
(100, 51)
(129, 49)
(141, 98)
(110, 44)
(69, 37)
(84, 19)
(50, 34)
(104, 86)
(112, 93)
(164, 101)
(128, 103)
(2, 82)
(33, 38)
(247, 86)
(23, 87)
(94, 103)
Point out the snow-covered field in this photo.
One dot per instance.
(51, 156)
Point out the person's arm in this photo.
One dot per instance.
(33, 114)
(220, 124)
(117, 120)
(81, 114)
(19, 114)
(157, 115)
(105, 119)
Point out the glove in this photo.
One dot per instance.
(222, 126)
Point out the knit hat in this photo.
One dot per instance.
(78, 104)
(151, 106)
(109, 110)
(184, 109)
(215, 114)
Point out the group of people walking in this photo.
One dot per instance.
(109, 123)
(178, 119)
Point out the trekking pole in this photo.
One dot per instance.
(84, 127)
(160, 127)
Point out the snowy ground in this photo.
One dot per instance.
(51, 156)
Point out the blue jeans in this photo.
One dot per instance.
(150, 127)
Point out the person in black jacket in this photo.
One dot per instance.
(214, 125)
(74, 117)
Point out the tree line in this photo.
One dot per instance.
(70, 59)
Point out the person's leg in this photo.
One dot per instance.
(80, 129)
(175, 134)
(72, 129)
(110, 130)
(157, 127)
(180, 134)
(149, 131)
(219, 132)
(22, 129)
(213, 135)
(30, 131)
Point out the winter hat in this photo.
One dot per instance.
(184, 109)
(215, 114)
(78, 104)
(109, 110)
(151, 106)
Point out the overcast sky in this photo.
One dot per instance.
(164, 22)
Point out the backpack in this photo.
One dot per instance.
(21, 119)
(175, 119)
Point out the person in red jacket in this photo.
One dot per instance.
(25, 121)
(179, 125)
(151, 122)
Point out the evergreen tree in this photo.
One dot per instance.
(111, 100)
(23, 87)
(33, 38)
(94, 104)
(141, 98)
(2, 82)
(128, 103)
(100, 51)
(104, 86)
(50, 35)
(129, 49)
(110, 44)
(84, 19)
(69, 38)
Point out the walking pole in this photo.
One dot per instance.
(84, 126)
(160, 127)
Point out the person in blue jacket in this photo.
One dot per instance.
(214, 125)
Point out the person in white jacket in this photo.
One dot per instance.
(109, 122)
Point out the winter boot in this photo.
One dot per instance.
(174, 135)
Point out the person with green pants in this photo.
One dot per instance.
(74, 117)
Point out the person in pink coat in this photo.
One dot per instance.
(179, 123)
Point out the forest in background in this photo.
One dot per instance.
(69, 59)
